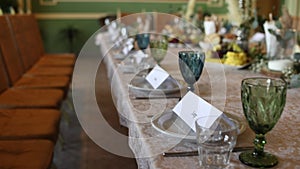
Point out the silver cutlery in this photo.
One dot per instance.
(195, 153)
(156, 97)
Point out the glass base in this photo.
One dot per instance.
(265, 160)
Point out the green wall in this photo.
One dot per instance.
(55, 40)
(111, 7)
(51, 28)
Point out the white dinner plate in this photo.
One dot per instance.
(140, 84)
(240, 66)
(170, 124)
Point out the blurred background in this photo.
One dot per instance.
(79, 19)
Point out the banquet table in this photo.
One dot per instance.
(219, 85)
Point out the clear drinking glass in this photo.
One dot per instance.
(215, 142)
(159, 48)
(263, 101)
(191, 64)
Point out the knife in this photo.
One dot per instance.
(195, 153)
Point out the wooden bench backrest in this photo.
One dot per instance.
(28, 38)
(10, 56)
(4, 84)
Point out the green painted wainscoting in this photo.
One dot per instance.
(55, 16)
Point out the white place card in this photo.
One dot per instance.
(139, 56)
(157, 76)
(192, 107)
(127, 48)
(129, 41)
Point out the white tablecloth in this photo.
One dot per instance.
(220, 88)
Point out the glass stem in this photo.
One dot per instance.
(259, 145)
(190, 88)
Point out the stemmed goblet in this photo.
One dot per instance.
(159, 48)
(263, 101)
(143, 41)
(191, 64)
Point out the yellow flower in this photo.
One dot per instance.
(235, 58)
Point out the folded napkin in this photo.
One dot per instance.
(257, 37)
(271, 41)
(209, 27)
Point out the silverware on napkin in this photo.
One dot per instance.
(156, 97)
(195, 153)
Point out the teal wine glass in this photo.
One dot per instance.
(191, 64)
(263, 101)
(143, 41)
(159, 48)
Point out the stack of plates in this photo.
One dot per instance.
(139, 85)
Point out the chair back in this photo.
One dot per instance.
(28, 38)
(10, 55)
(4, 83)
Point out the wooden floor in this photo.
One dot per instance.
(79, 151)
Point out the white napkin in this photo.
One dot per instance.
(257, 37)
(271, 41)
(209, 27)
(98, 39)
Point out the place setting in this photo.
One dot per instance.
(215, 132)
(155, 82)
(150, 77)
(176, 122)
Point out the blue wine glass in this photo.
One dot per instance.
(191, 64)
(143, 41)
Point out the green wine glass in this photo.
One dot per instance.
(191, 64)
(159, 48)
(263, 101)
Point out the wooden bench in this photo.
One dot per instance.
(33, 85)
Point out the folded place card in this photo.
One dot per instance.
(192, 107)
(157, 76)
(127, 48)
(129, 41)
(139, 56)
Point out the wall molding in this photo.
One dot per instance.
(48, 2)
(76, 16)
(212, 3)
